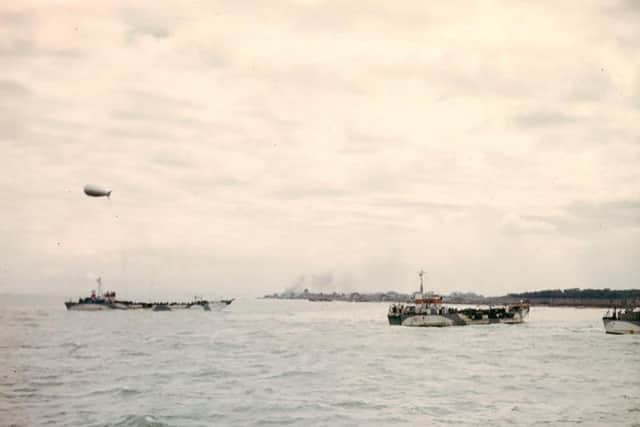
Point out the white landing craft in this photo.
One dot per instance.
(428, 310)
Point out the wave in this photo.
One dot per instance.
(127, 352)
(137, 421)
(121, 391)
(292, 374)
(358, 404)
(72, 346)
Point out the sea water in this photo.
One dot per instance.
(269, 362)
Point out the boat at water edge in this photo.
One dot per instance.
(619, 322)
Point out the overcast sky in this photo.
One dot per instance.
(253, 146)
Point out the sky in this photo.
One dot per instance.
(259, 146)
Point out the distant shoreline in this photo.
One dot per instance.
(604, 298)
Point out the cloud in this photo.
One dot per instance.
(513, 223)
(306, 192)
(543, 119)
(22, 49)
(610, 214)
(140, 23)
(15, 18)
(11, 88)
(580, 218)
(316, 137)
(417, 204)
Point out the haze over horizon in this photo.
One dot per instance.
(248, 145)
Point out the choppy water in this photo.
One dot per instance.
(263, 362)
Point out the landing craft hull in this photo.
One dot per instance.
(127, 305)
(87, 307)
(454, 319)
(428, 321)
(621, 327)
(119, 306)
(219, 305)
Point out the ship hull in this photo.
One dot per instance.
(87, 307)
(621, 327)
(437, 321)
(470, 317)
(126, 305)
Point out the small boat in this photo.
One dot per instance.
(320, 298)
(161, 307)
(619, 322)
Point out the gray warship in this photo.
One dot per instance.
(98, 301)
(429, 310)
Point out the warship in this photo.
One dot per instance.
(429, 310)
(98, 301)
(619, 322)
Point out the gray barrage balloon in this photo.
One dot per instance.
(96, 191)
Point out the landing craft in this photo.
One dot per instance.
(96, 191)
(428, 310)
